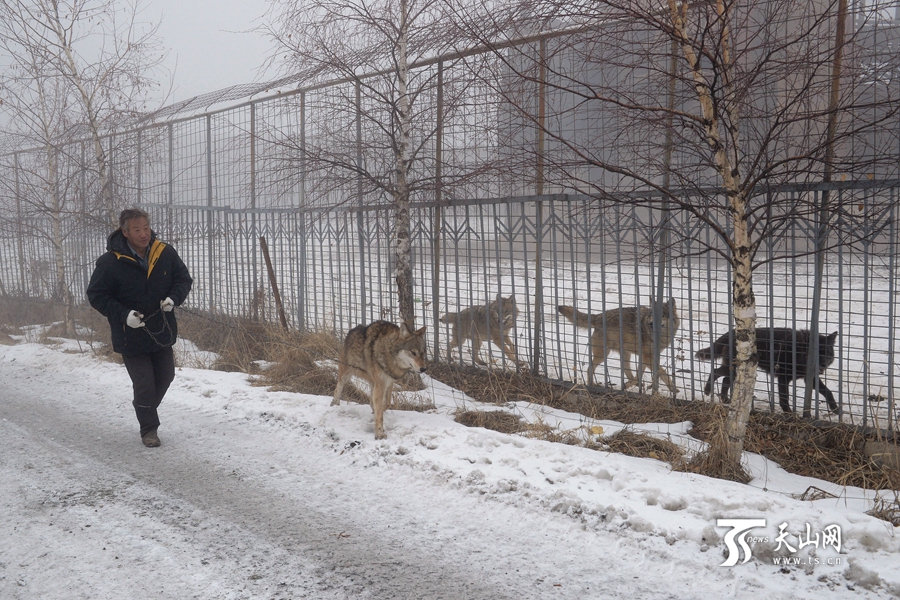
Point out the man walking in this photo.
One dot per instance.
(135, 285)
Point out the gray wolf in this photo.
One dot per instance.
(783, 354)
(492, 321)
(380, 353)
(628, 331)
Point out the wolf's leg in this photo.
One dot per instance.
(663, 376)
(510, 349)
(714, 374)
(454, 343)
(599, 351)
(343, 375)
(711, 382)
(783, 395)
(725, 392)
(476, 350)
(829, 398)
(630, 378)
(502, 341)
(379, 390)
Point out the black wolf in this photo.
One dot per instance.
(783, 354)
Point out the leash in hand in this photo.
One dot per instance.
(153, 334)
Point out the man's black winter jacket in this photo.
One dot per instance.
(120, 284)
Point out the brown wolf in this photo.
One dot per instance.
(492, 321)
(783, 353)
(628, 332)
(381, 353)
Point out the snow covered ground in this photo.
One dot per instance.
(258, 494)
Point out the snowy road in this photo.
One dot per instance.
(259, 494)
(215, 514)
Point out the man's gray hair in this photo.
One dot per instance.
(132, 213)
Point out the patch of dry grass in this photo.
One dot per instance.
(19, 312)
(636, 444)
(495, 386)
(496, 420)
(412, 402)
(887, 509)
(238, 342)
(92, 328)
(295, 356)
(548, 433)
(713, 461)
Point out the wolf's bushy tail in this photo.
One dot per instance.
(579, 318)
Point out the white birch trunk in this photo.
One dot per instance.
(401, 241)
(727, 164)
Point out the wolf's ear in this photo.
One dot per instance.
(404, 330)
(511, 299)
(420, 332)
(832, 337)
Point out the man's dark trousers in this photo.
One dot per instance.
(150, 375)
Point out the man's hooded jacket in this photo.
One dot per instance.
(120, 284)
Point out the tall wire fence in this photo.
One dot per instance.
(334, 271)
(489, 218)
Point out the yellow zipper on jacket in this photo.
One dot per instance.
(153, 256)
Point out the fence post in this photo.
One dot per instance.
(539, 211)
(301, 276)
(302, 169)
(85, 246)
(21, 226)
(137, 168)
(110, 182)
(210, 231)
(664, 224)
(301, 217)
(253, 216)
(359, 204)
(812, 370)
(438, 210)
(892, 294)
(170, 191)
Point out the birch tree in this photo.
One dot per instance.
(366, 48)
(38, 183)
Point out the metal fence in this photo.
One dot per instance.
(334, 271)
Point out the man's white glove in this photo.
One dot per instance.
(134, 319)
(167, 305)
